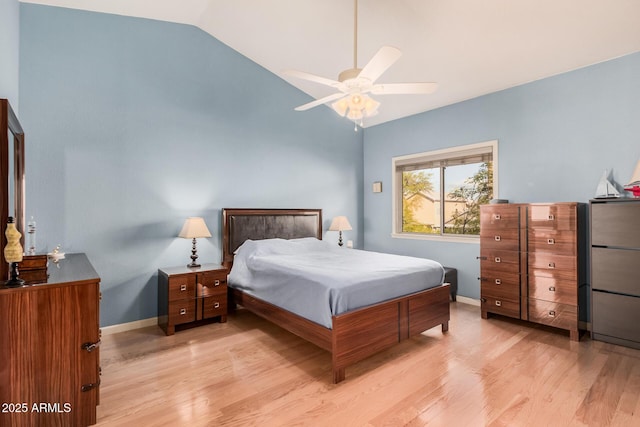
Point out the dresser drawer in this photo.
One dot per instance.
(182, 311)
(556, 217)
(213, 306)
(500, 306)
(499, 217)
(615, 270)
(500, 258)
(616, 224)
(505, 239)
(553, 289)
(557, 241)
(554, 314)
(501, 288)
(552, 265)
(181, 287)
(616, 316)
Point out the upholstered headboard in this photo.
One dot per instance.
(239, 225)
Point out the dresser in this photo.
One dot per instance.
(187, 296)
(532, 262)
(615, 278)
(49, 348)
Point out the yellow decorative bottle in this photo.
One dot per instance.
(13, 252)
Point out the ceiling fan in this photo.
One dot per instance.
(355, 84)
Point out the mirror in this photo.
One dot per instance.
(12, 176)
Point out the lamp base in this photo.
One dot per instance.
(14, 281)
(194, 255)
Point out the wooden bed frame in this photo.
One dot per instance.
(354, 335)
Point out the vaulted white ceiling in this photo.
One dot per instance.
(470, 47)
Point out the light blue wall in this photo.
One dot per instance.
(9, 51)
(556, 137)
(135, 124)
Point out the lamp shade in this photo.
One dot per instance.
(340, 223)
(193, 228)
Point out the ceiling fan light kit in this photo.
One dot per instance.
(355, 83)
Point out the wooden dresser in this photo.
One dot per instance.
(532, 262)
(49, 355)
(188, 295)
(615, 283)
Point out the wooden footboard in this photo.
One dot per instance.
(363, 332)
(360, 333)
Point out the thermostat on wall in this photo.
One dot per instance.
(377, 187)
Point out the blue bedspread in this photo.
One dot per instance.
(316, 280)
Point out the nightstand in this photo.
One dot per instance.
(191, 296)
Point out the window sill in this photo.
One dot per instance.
(439, 238)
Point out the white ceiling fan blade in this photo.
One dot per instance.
(319, 101)
(403, 88)
(380, 62)
(312, 78)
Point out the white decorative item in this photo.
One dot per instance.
(605, 189)
(56, 255)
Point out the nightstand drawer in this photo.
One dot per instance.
(214, 306)
(181, 287)
(213, 283)
(182, 311)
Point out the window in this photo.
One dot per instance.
(438, 194)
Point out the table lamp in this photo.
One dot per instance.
(193, 228)
(339, 224)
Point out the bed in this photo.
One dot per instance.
(351, 335)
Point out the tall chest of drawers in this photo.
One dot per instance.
(532, 262)
(615, 281)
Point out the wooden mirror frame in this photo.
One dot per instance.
(9, 123)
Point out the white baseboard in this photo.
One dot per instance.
(122, 327)
(467, 300)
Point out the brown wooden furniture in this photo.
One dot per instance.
(532, 262)
(49, 354)
(189, 295)
(615, 258)
(11, 151)
(354, 335)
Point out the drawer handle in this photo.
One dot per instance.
(90, 346)
(216, 283)
(497, 238)
(499, 303)
(216, 305)
(183, 311)
(497, 259)
(551, 242)
(481, 258)
(552, 265)
(90, 386)
(496, 216)
(183, 288)
(552, 288)
(552, 313)
(482, 279)
(551, 217)
(498, 282)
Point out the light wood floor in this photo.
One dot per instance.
(494, 372)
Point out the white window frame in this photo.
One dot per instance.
(396, 186)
